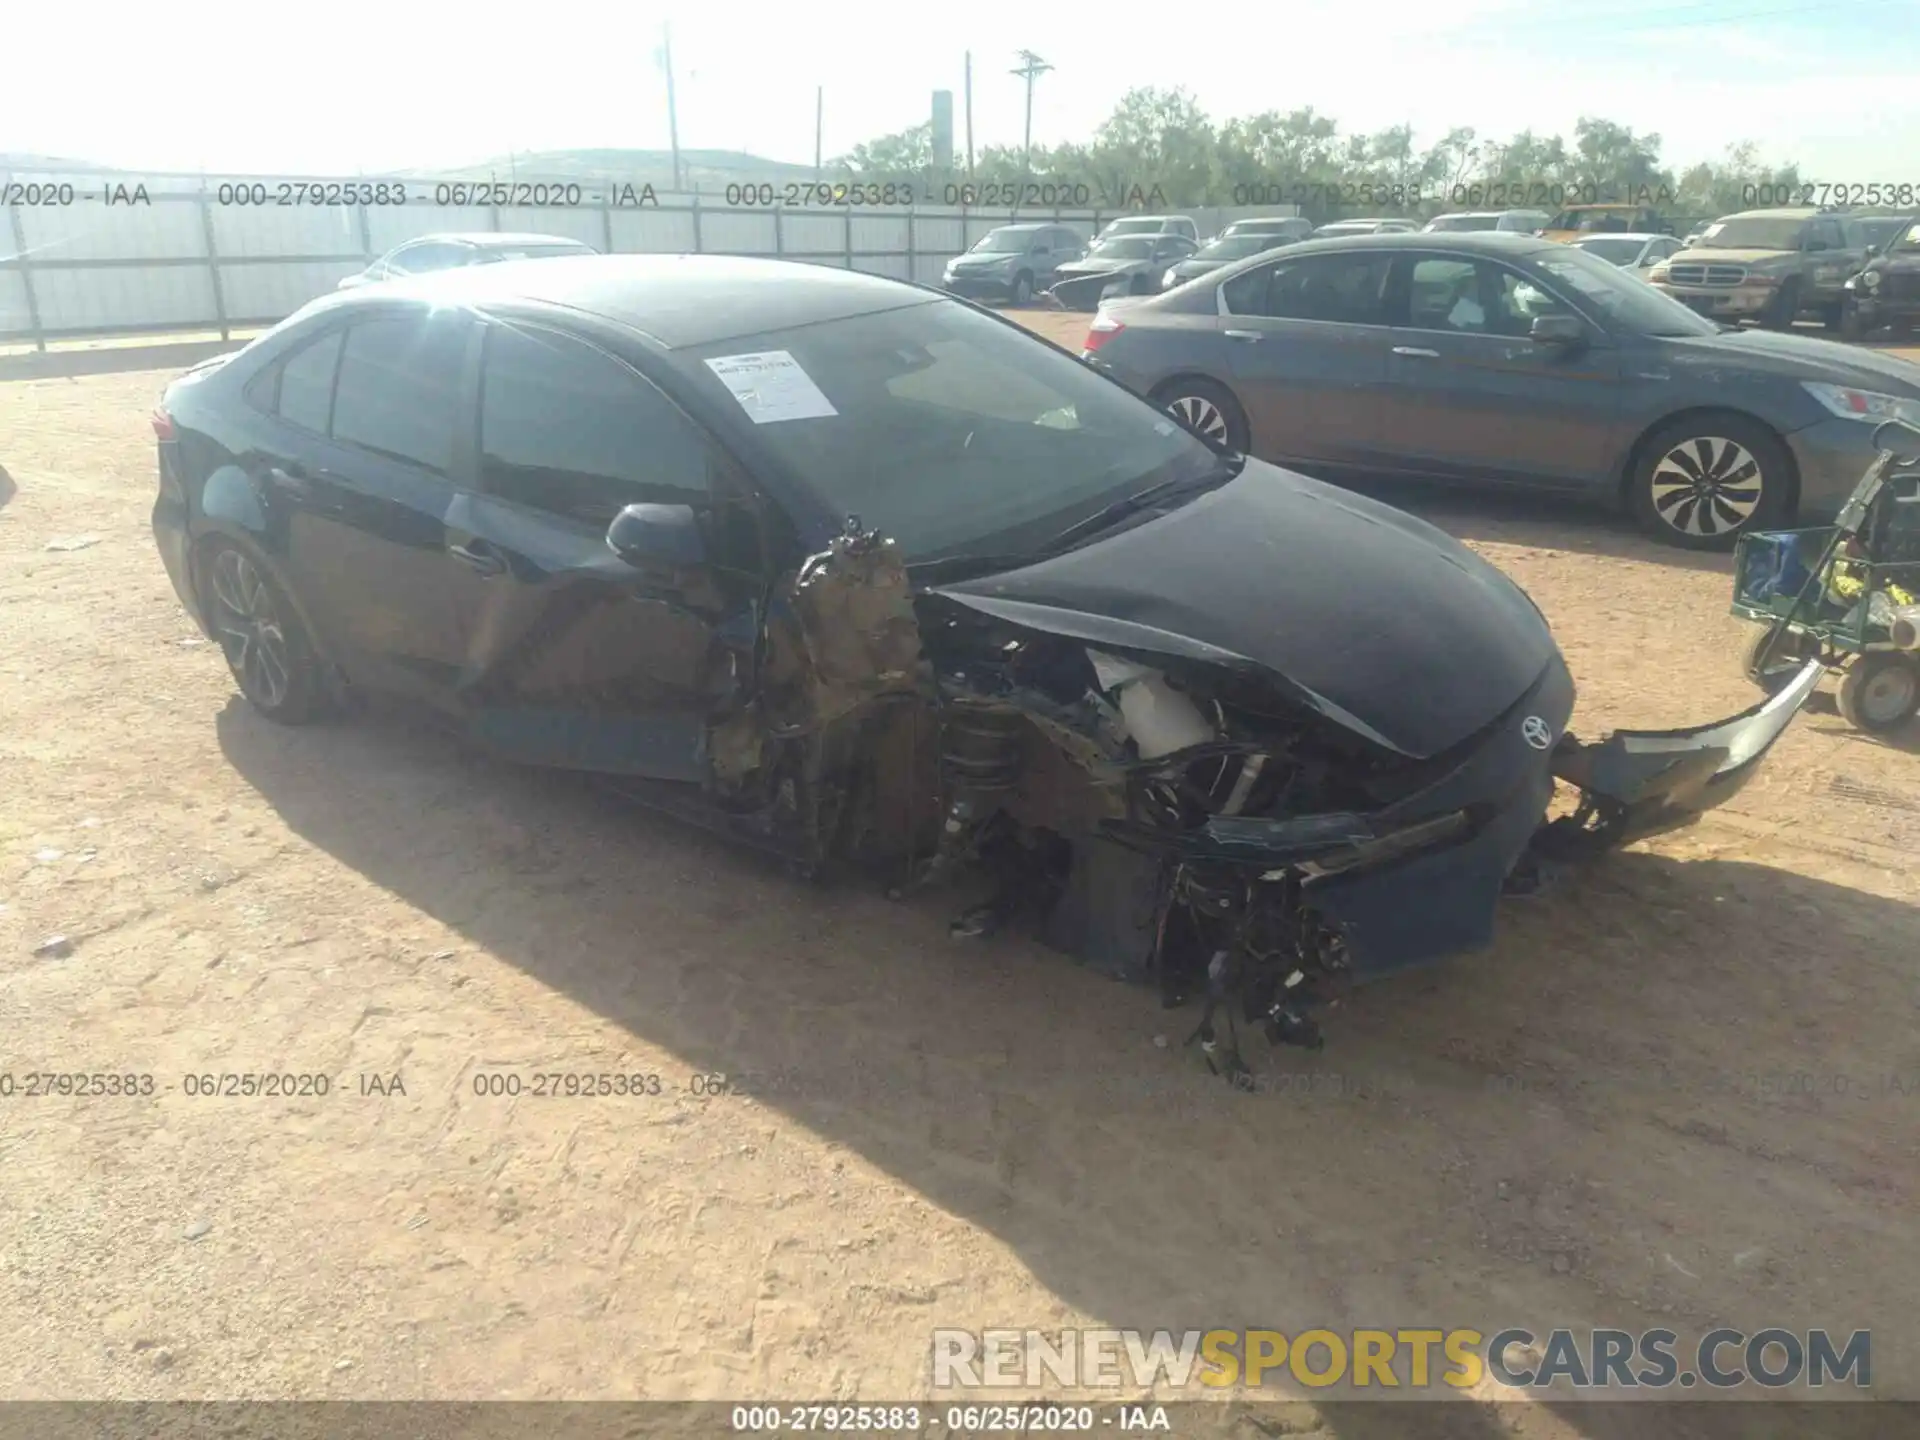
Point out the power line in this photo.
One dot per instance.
(1032, 67)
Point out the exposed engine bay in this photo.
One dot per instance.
(1189, 820)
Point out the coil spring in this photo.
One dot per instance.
(983, 751)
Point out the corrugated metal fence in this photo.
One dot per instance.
(90, 255)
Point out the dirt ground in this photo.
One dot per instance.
(1682, 1089)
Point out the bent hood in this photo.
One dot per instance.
(1386, 624)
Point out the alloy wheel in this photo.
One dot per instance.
(1707, 485)
(250, 630)
(1201, 416)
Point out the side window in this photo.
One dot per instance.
(569, 430)
(1343, 289)
(399, 388)
(1518, 302)
(1445, 295)
(306, 384)
(1830, 232)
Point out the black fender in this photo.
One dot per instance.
(231, 510)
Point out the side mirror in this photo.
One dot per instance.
(1040, 249)
(1558, 332)
(657, 537)
(1813, 245)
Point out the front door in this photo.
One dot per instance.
(1469, 396)
(572, 657)
(1305, 342)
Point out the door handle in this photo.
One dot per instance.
(479, 556)
(1251, 336)
(1416, 352)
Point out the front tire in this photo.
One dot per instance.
(1881, 692)
(268, 650)
(1702, 482)
(1852, 326)
(1022, 288)
(1785, 308)
(1208, 410)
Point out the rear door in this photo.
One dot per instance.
(378, 407)
(1306, 344)
(570, 657)
(1469, 396)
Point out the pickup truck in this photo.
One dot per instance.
(1767, 265)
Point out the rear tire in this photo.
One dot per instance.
(268, 650)
(1208, 410)
(1022, 288)
(1703, 481)
(1881, 692)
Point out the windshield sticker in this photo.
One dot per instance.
(771, 386)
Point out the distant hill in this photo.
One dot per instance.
(17, 160)
(707, 169)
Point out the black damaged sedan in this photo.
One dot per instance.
(860, 573)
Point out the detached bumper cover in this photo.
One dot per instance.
(1647, 782)
(1085, 292)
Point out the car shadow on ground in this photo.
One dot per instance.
(7, 488)
(1020, 1091)
(1548, 522)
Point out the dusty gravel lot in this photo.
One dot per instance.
(1605, 1120)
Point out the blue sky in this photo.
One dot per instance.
(222, 85)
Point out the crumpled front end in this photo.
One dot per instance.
(1189, 818)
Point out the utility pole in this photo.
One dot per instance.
(969, 115)
(819, 122)
(673, 114)
(1032, 67)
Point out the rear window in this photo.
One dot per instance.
(306, 384)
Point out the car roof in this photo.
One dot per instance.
(491, 239)
(1027, 225)
(677, 300)
(1784, 212)
(1122, 218)
(1486, 242)
(1621, 235)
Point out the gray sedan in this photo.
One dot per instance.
(1503, 359)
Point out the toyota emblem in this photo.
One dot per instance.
(1538, 733)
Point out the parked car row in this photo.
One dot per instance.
(1510, 360)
